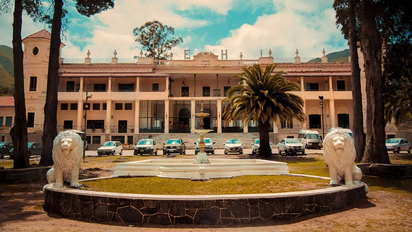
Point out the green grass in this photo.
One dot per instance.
(237, 185)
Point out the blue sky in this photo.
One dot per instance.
(205, 25)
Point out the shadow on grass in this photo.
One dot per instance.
(388, 184)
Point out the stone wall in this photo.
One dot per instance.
(130, 209)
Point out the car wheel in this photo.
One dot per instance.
(213, 152)
(121, 152)
(241, 152)
(398, 150)
(29, 153)
(409, 150)
(1, 155)
(225, 152)
(151, 153)
(303, 152)
(156, 152)
(113, 152)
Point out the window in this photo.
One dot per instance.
(126, 87)
(185, 91)
(155, 87)
(95, 124)
(33, 84)
(73, 106)
(68, 125)
(35, 51)
(390, 136)
(96, 106)
(119, 106)
(118, 138)
(86, 106)
(99, 87)
(1, 121)
(314, 121)
(9, 121)
(96, 139)
(88, 138)
(286, 125)
(225, 89)
(130, 139)
(128, 106)
(104, 106)
(340, 85)
(206, 91)
(312, 86)
(70, 86)
(30, 119)
(64, 106)
(343, 120)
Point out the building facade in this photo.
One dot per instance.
(162, 96)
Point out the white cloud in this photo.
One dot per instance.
(6, 27)
(219, 6)
(284, 32)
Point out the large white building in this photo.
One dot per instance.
(151, 97)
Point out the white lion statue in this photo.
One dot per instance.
(67, 155)
(339, 153)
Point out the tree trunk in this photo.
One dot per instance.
(264, 149)
(19, 131)
(375, 150)
(356, 86)
(50, 108)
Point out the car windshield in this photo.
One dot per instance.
(145, 142)
(292, 141)
(257, 141)
(205, 140)
(29, 145)
(312, 136)
(2, 144)
(233, 141)
(173, 141)
(108, 144)
(392, 141)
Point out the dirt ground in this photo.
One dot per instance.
(383, 211)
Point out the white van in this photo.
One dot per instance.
(310, 139)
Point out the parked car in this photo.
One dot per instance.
(256, 146)
(310, 139)
(5, 148)
(174, 146)
(209, 148)
(233, 146)
(396, 145)
(291, 146)
(110, 148)
(145, 146)
(33, 149)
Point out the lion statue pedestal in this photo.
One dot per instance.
(67, 155)
(339, 153)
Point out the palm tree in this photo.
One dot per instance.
(262, 96)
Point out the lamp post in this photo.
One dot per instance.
(323, 120)
(86, 107)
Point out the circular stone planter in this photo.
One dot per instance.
(136, 209)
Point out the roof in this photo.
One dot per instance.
(6, 101)
(43, 34)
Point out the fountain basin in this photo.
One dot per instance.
(188, 169)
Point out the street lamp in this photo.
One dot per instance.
(323, 120)
(86, 107)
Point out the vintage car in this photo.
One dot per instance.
(145, 146)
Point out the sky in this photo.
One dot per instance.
(248, 26)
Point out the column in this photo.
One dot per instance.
(138, 84)
(332, 115)
(194, 85)
(302, 91)
(80, 106)
(108, 115)
(136, 116)
(275, 127)
(217, 85)
(193, 117)
(219, 116)
(167, 87)
(166, 130)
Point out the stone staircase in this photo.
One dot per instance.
(219, 139)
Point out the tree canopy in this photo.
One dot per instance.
(161, 35)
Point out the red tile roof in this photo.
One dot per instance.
(40, 34)
(6, 101)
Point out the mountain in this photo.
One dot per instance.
(340, 57)
(6, 67)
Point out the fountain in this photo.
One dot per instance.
(201, 157)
